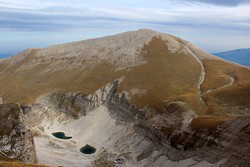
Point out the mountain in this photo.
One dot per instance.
(240, 56)
(155, 68)
(139, 98)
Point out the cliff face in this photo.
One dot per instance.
(170, 133)
(135, 137)
(125, 135)
(16, 142)
(74, 104)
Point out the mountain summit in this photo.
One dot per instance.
(140, 98)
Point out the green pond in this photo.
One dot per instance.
(87, 149)
(61, 135)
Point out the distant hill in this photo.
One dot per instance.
(240, 56)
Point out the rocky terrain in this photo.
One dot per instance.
(139, 98)
(16, 142)
(124, 135)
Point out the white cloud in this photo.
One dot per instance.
(171, 16)
(221, 2)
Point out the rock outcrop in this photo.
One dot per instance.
(76, 104)
(16, 142)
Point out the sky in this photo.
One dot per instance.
(214, 25)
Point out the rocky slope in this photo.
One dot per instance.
(140, 98)
(16, 142)
(124, 135)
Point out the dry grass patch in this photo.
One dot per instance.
(166, 76)
(19, 164)
(209, 122)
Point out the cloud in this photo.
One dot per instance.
(67, 18)
(221, 2)
(171, 16)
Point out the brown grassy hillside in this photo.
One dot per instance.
(233, 99)
(161, 76)
(19, 164)
(165, 77)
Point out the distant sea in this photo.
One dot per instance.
(5, 55)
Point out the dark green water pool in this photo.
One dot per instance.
(87, 149)
(61, 135)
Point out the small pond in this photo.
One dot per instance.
(61, 135)
(87, 149)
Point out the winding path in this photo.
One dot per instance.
(232, 80)
(202, 77)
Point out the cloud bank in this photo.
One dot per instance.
(54, 16)
(221, 2)
(191, 19)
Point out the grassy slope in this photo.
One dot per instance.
(210, 122)
(232, 99)
(18, 164)
(165, 77)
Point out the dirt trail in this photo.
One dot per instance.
(221, 87)
(202, 75)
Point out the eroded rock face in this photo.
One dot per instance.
(16, 142)
(127, 136)
(75, 104)
(170, 135)
(229, 142)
